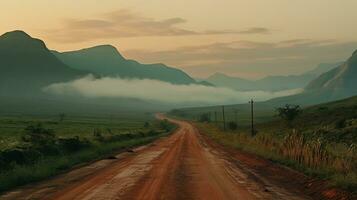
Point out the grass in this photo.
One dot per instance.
(12, 127)
(50, 166)
(56, 146)
(313, 157)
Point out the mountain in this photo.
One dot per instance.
(335, 84)
(26, 65)
(341, 80)
(270, 83)
(222, 80)
(106, 60)
(323, 67)
(278, 83)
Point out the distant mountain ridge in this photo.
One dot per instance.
(338, 83)
(323, 67)
(270, 83)
(341, 79)
(106, 60)
(26, 65)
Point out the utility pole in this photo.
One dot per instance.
(215, 117)
(252, 116)
(224, 119)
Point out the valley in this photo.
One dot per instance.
(185, 165)
(252, 101)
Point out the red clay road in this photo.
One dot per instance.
(180, 166)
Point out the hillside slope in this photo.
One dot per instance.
(26, 65)
(335, 84)
(106, 60)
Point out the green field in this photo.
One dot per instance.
(12, 127)
(36, 147)
(321, 141)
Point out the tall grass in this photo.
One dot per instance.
(313, 156)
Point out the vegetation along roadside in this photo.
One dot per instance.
(41, 153)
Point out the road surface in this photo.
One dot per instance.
(180, 166)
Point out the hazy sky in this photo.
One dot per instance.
(248, 38)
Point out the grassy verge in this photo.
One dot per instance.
(333, 162)
(20, 173)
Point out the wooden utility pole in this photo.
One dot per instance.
(224, 119)
(215, 117)
(252, 116)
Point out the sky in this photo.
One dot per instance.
(245, 38)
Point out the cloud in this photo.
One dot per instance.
(253, 30)
(155, 90)
(256, 30)
(250, 57)
(125, 23)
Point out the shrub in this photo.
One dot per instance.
(38, 135)
(41, 139)
(73, 144)
(289, 113)
(165, 124)
(18, 156)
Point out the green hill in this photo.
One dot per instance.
(335, 84)
(341, 79)
(106, 60)
(26, 65)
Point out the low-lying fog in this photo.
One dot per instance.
(155, 90)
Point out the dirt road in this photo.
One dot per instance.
(181, 166)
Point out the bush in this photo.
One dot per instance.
(73, 144)
(38, 135)
(41, 139)
(165, 124)
(289, 113)
(18, 156)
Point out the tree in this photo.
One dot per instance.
(289, 113)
